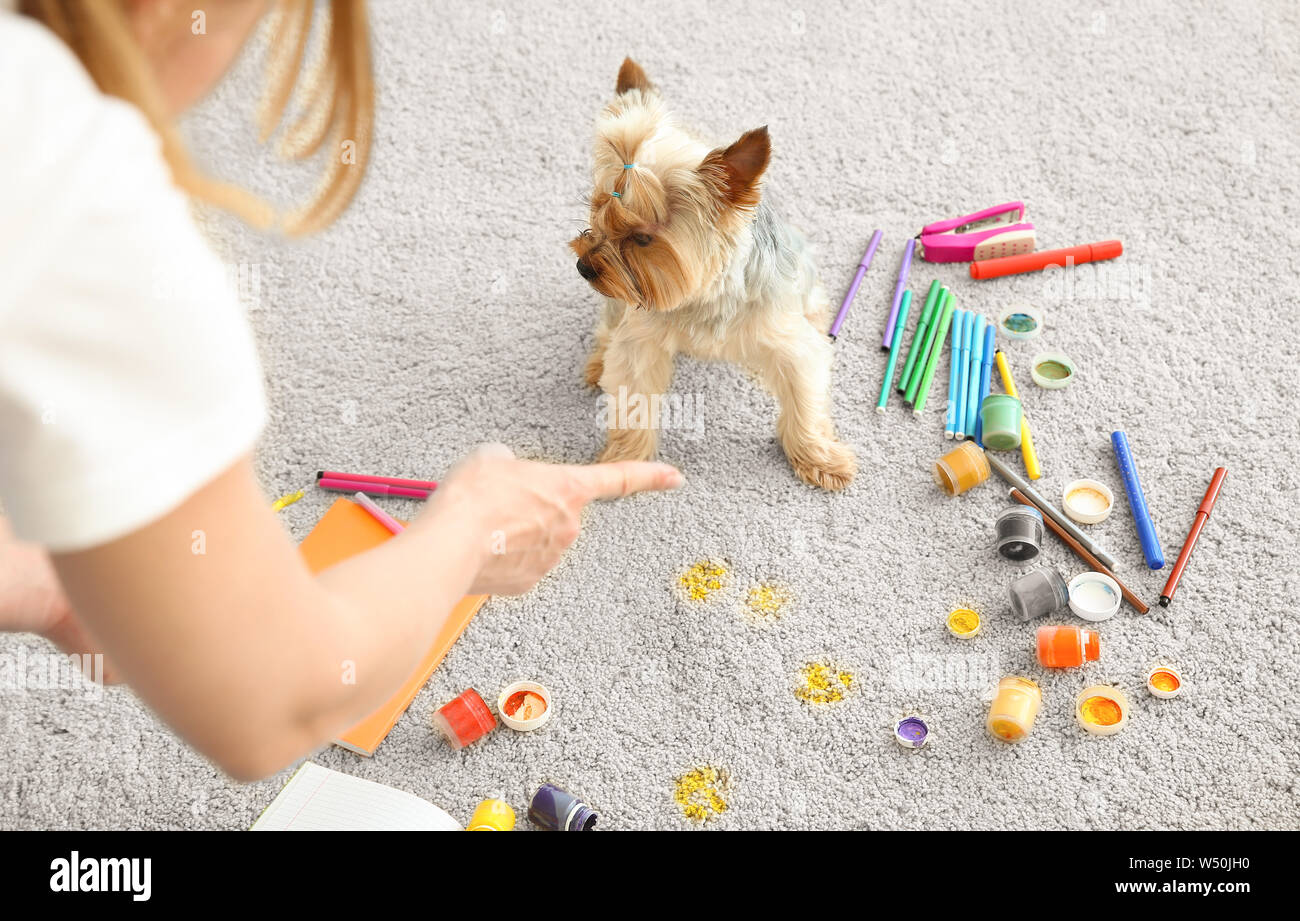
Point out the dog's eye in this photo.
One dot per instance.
(642, 239)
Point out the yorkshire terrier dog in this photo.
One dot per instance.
(691, 258)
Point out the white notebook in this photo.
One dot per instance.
(318, 799)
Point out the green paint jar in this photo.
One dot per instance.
(1000, 416)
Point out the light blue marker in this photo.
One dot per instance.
(963, 375)
(973, 397)
(986, 376)
(896, 345)
(954, 372)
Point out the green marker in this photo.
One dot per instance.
(945, 319)
(927, 314)
(914, 382)
(895, 347)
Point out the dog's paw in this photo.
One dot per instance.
(633, 445)
(595, 368)
(830, 465)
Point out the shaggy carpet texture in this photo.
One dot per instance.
(443, 310)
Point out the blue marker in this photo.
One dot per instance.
(1137, 502)
(954, 378)
(986, 375)
(963, 374)
(973, 392)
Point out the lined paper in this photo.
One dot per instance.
(319, 799)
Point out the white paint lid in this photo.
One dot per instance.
(1082, 501)
(1094, 596)
(1109, 693)
(524, 725)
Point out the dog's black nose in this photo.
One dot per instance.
(586, 271)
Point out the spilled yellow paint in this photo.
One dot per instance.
(822, 683)
(768, 601)
(699, 793)
(702, 579)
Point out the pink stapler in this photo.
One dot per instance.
(987, 234)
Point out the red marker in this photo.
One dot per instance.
(1202, 516)
(1033, 262)
(428, 485)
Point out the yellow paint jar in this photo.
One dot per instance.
(1014, 709)
(492, 815)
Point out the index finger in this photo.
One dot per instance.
(622, 478)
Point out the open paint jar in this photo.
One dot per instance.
(1000, 416)
(1014, 709)
(964, 623)
(1021, 322)
(464, 719)
(524, 705)
(1040, 592)
(1087, 501)
(1020, 532)
(911, 732)
(1094, 596)
(1164, 682)
(1052, 370)
(961, 468)
(1101, 710)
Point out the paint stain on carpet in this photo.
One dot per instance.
(703, 579)
(821, 683)
(699, 793)
(768, 601)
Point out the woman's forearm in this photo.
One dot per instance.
(212, 617)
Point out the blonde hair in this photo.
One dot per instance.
(339, 99)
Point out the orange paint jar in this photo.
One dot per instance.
(961, 468)
(1014, 708)
(1066, 647)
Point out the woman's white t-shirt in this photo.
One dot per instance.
(128, 373)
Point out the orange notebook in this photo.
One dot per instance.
(346, 530)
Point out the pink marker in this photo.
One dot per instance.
(378, 513)
(385, 480)
(372, 489)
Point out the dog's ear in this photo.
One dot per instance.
(735, 171)
(632, 77)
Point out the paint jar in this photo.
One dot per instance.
(1014, 709)
(911, 732)
(1000, 416)
(1052, 370)
(492, 815)
(1087, 501)
(1066, 647)
(1040, 592)
(524, 706)
(964, 623)
(961, 468)
(464, 719)
(1102, 710)
(555, 810)
(1094, 596)
(1020, 532)
(1164, 682)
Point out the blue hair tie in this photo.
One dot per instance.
(629, 166)
(617, 194)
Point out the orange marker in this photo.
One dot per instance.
(1033, 262)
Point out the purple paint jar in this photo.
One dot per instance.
(555, 810)
(911, 732)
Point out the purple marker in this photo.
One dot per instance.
(853, 288)
(911, 732)
(898, 291)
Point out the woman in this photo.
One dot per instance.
(128, 409)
